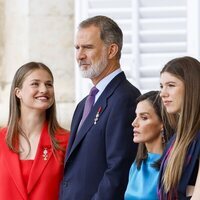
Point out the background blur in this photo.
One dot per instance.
(155, 31)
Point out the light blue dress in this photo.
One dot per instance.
(142, 184)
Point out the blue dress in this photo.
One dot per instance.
(142, 184)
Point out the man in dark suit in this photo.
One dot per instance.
(101, 148)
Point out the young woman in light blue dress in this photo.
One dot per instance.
(150, 133)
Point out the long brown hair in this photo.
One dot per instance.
(13, 128)
(187, 69)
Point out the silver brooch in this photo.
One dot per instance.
(97, 115)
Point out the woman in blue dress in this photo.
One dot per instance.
(149, 132)
(180, 93)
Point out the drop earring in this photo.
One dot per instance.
(163, 136)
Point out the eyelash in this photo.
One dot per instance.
(34, 83)
(37, 84)
(144, 118)
(49, 84)
(169, 85)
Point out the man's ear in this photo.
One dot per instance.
(113, 50)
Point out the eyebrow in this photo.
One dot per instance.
(38, 80)
(144, 113)
(169, 82)
(84, 45)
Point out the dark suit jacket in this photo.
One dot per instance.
(98, 160)
(45, 175)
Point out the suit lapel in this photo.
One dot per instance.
(43, 156)
(101, 105)
(76, 120)
(13, 165)
(87, 125)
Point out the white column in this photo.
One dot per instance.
(41, 31)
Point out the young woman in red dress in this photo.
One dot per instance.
(33, 143)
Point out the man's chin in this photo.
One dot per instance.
(85, 74)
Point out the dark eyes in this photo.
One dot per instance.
(84, 47)
(49, 84)
(171, 85)
(77, 47)
(144, 118)
(37, 84)
(168, 85)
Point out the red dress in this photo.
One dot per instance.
(44, 176)
(26, 166)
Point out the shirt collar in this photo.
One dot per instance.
(105, 81)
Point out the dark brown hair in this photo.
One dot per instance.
(154, 99)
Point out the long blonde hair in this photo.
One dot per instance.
(187, 69)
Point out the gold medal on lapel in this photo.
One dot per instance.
(45, 154)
